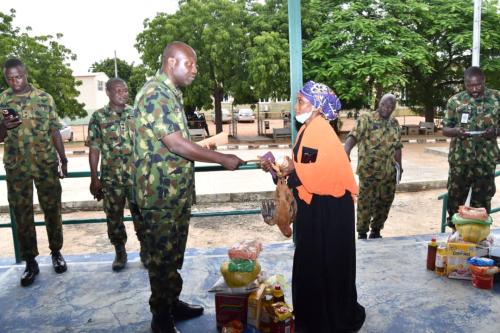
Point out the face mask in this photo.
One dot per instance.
(302, 118)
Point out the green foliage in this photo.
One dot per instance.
(217, 31)
(420, 48)
(134, 76)
(108, 66)
(46, 61)
(447, 30)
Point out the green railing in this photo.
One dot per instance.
(86, 174)
(444, 211)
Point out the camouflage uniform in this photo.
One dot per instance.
(377, 140)
(163, 187)
(472, 160)
(30, 156)
(109, 132)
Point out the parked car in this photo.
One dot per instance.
(246, 115)
(197, 120)
(66, 132)
(227, 117)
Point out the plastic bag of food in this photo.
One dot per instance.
(473, 213)
(234, 326)
(239, 279)
(241, 265)
(245, 250)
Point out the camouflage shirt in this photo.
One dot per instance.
(109, 132)
(29, 146)
(377, 140)
(161, 178)
(473, 114)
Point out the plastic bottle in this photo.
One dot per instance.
(431, 254)
(266, 311)
(278, 295)
(441, 260)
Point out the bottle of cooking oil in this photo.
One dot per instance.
(266, 311)
(441, 260)
(278, 295)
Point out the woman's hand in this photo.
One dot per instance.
(265, 164)
(287, 167)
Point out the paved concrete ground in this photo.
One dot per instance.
(399, 294)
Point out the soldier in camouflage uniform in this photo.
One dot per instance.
(472, 120)
(163, 180)
(379, 151)
(109, 138)
(31, 140)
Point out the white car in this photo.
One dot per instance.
(246, 115)
(226, 116)
(66, 132)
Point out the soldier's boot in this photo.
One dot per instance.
(182, 310)
(144, 255)
(375, 233)
(362, 235)
(58, 262)
(120, 258)
(30, 272)
(164, 323)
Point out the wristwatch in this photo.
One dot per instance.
(64, 160)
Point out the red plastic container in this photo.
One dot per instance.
(480, 279)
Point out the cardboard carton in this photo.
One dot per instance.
(255, 306)
(229, 307)
(457, 254)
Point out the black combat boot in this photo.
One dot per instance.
(30, 272)
(120, 257)
(58, 262)
(164, 323)
(182, 310)
(375, 233)
(362, 235)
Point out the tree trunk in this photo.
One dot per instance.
(429, 112)
(379, 92)
(218, 95)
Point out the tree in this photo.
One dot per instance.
(134, 76)
(216, 29)
(363, 46)
(46, 61)
(446, 27)
(417, 47)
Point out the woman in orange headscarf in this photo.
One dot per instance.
(324, 264)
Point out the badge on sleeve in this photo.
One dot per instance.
(465, 118)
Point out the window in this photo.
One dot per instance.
(100, 85)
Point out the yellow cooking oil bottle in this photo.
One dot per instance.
(441, 260)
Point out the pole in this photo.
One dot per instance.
(295, 42)
(116, 67)
(476, 33)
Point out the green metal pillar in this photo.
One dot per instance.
(295, 42)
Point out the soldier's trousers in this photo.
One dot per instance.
(166, 234)
(462, 177)
(114, 205)
(374, 202)
(20, 196)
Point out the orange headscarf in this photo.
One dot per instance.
(331, 173)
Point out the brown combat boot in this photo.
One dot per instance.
(120, 258)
